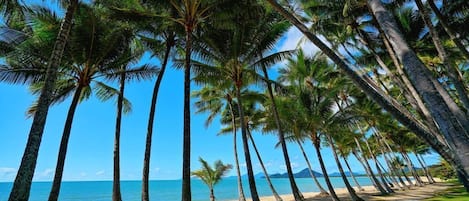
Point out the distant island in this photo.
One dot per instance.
(305, 174)
(301, 174)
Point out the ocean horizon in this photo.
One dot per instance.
(168, 190)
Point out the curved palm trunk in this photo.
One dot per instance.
(267, 177)
(247, 155)
(324, 171)
(425, 164)
(370, 174)
(151, 118)
(116, 185)
(54, 193)
(443, 55)
(310, 169)
(281, 136)
(427, 174)
(393, 174)
(241, 196)
(186, 150)
(360, 188)
(385, 102)
(383, 181)
(22, 184)
(451, 33)
(410, 166)
(350, 189)
(418, 75)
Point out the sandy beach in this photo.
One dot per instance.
(415, 193)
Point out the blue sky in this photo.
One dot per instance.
(90, 150)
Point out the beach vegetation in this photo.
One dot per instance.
(212, 175)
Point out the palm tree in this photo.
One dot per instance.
(97, 50)
(211, 176)
(385, 101)
(308, 78)
(213, 99)
(22, 184)
(190, 14)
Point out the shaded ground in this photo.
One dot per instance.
(415, 193)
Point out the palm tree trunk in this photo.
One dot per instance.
(385, 102)
(393, 173)
(241, 196)
(350, 189)
(151, 118)
(23, 180)
(281, 136)
(416, 71)
(212, 195)
(360, 188)
(116, 185)
(247, 155)
(54, 193)
(324, 171)
(451, 33)
(411, 168)
(443, 55)
(383, 181)
(425, 164)
(267, 177)
(186, 152)
(427, 174)
(370, 174)
(321, 189)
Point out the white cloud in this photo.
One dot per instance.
(7, 173)
(47, 172)
(100, 173)
(157, 170)
(83, 174)
(294, 39)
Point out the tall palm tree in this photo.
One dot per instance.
(191, 14)
(270, 32)
(213, 99)
(97, 50)
(211, 176)
(308, 78)
(22, 184)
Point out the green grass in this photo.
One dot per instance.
(454, 193)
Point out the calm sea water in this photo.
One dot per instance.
(166, 190)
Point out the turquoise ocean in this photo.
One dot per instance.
(167, 190)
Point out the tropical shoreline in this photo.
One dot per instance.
(370, 193)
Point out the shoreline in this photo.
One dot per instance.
(370, 193)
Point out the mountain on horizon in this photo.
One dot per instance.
(301, 174)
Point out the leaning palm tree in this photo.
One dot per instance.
(211, 176)
(24, 177)
(387, 102)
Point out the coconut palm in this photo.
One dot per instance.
(211, 176)
(190, 14)
(307, 77)
(107, 47)
(24, 177)
(216, 100)
(292, 121)
(387, 103)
